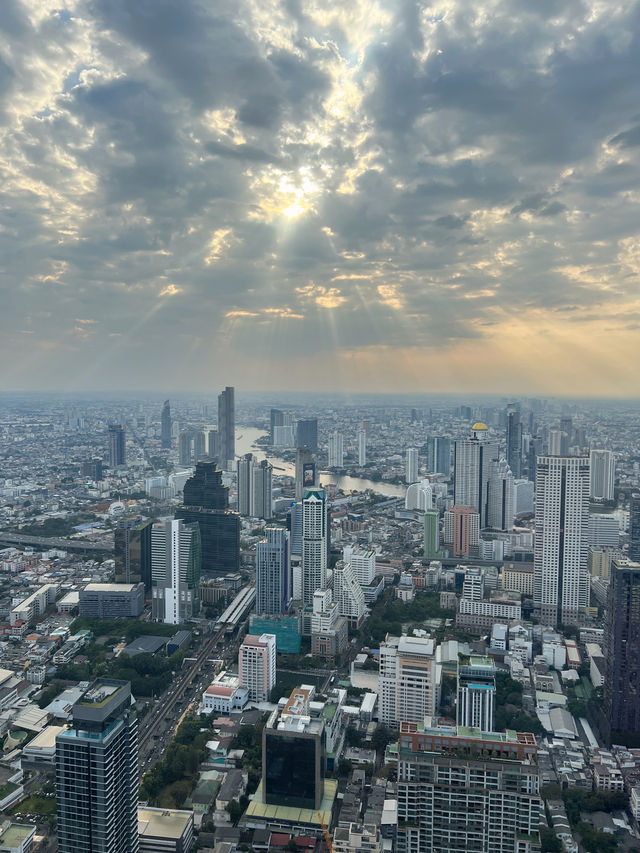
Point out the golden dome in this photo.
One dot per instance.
(479, 426)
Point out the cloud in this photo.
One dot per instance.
(374, 186)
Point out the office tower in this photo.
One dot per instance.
(111, 601)
(561, 582)
(176, 560)
(257, 666)
(336, 449)
(362, 448)
(199, 445)
(307, 433)
(634, 527)
(314, 543)
(294, 755)
(431, 534)
(621, 697)
(165, 425)
(558, 443)
(408, 686)
(92, 469)
(206, 488)
(472, 459)
(294, 526)
(501, 496)
(261, 490)
(566, 426)
(603, 468)
(132, 551)
(348, 595)
(462, 530)
(411, 465)
(212, 442)
(226, 427)
(284, 436)
(463, 791)
(419, 496)
(603, 530)
(514, 440)
(97, 772)
(185, 447)
(276, 420)
(476, 701)
(439, 455)
(305, 471)
(273, 572)
(363, 562)
(117, 446)
(245, 482)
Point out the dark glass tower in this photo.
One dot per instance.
(276, 419)
(514, 441)
(205, 488)
(133, 551)
(97, 773)
(226, 426)
(634, 527)
(621, 695)
(307, 433)
(165, 425)
(117, 447)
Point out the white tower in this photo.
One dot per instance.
(336, 449)
(314, 543)
(603, 469)
(362, 448)
(472, 463)
(411, 465)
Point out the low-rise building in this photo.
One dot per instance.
(224, 695)
(16, 837)
(164, 830)
(357, 839)
(111, 600)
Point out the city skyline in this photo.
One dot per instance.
(370, 197)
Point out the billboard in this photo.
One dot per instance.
(309, 474)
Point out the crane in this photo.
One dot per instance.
(325, 832)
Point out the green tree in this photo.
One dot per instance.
(549, 841)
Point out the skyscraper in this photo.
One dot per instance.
(431, 534)
(117, 446)
(305, 471)
(603, 469)
(307, 433)
(476, 703)
(273, 572)
(621, 697)
(561, 581)
(257, 666)
(276, 419)
(634, 527)
(439, 455)
(97, 773)
(472, 465)
(514, 440)
(501, 496)
(245, 481)
(462, 529)
(132, 551)
(409, 687)
(261, 490)
(411, 465)
(206, 488)
(363, 562)
(336, 449)
(226, 426)
(348, 595)
(165, 425)
(362, 448)
(558, 443)
(175, 571)
(185, 447)
(314, 543)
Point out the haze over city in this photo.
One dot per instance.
(365, 196)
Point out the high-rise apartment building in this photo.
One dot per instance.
(501, 496)
(472, 466)
(462, 530)
(261, 490)
(419, 496)
(165, 425)
(314, 543)
(185, 447)
(432, 534)
(117, 446)
(336, 449)
(132, 551)
(348, 594)
(476, 701)
(558, 443)
(561, 581)
(305, 471)
(411, 465)
(307, 433)
(175, 571)
(409, 686)
(273, 572)
(621, 696)
(603, 471)
(439, 455)
(514, 440)
(245, 482)
(257, 666)
(276, 419)
(362, 448)
(97, 773)
(226, 427)
(462, 791)
(634, 527)
(363, 562)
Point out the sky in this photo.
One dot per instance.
(317, 195)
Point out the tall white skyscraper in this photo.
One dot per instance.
(501, 496)
(561, 581)
(603, 471)
(362, 447)
(348, 594)
(558, 443)
(408, 684)
(175, 570)
(476, 702)
(363, 562)
(273, 572)
(261, 488)
(472, 465)
(314, 543)
(336, 449)
(411, 465)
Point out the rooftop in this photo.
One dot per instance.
(163, 823)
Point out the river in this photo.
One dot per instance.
(246, 436)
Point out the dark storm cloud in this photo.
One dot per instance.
(324, 176)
